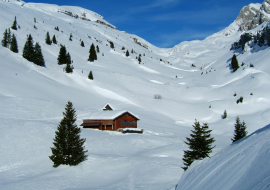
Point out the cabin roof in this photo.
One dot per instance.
(109, 115)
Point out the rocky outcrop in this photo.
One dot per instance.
(253, 15)
(106, 24)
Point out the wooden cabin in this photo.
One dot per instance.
(109, 119)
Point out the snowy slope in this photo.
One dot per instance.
(33, 99)
(242, 165)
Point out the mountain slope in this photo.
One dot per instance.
(33, 99)
(242, 165)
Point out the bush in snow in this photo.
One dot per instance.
(158, 96)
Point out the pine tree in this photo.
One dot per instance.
(92, 54)
(90, 76)
(54, 39)
(132, 51)
(127, 53)
(14, 25)
(68, 146)
(13, 44)
(48, 39)
(68, 68)
(224, 115)
(38, 59)
(97, 49)
(28, 50)
(62, 58)
(8, 37)
(200, 144)
(240, 130)
(70, 37)
(234, 63)
(139, 59)
(5, 39)
(82, 44)
(111, 44)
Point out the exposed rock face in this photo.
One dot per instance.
(253, 15)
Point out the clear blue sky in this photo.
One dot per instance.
(164, 23)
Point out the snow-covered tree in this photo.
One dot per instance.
(200, 144)
(90, 76)
(68, 146)
(234, 63)
(14, 25)
(240, 130)
(38, 59)
(92, 54)
(13, 44)
(48, 39)
(28, 49)
(62, 58)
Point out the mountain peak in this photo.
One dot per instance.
(253, 15)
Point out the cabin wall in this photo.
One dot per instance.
(125, 121)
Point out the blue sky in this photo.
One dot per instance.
(164, 23)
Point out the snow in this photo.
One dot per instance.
(33, 99)
(242, 165)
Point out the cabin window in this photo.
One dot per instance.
(128, 123)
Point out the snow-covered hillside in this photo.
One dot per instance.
(242, 165)
(33, 99)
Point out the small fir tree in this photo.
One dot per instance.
(14, 25)
(38, 59)
(97, 49)
(68, 146)
(90, 76)
(82, 44)
(56, 28)
(28, 50)
(224, 115)
(111, 44)
(92, 54)
(48, 39)
(234, 63)
(8, 37)
(127, 53)
(70, 37)
(62, 58)
(200, 144)
(13, 44)
(139, 59)
(5, 39)
(240, 130)
(54, 39)
(68, 58)
(68, 68)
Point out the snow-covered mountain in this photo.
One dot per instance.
(33, 99)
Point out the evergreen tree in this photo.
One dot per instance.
(68, 146)
(127, 53)
(139, 59)
(38, 59)
(68, 68)
(14, 25)
(90, 76)
(62, 58)
(92, 53)
(5, 39)
(132, 51)
(111, 44)
(240, 130)
(234, 63)
(70, 37)
(54, 39)
(8, 37)
(199, 143)
(224, 114)
(28, 50)
(82, 44)
(13, 44)
(68, 58)
(97, 49)
(48, 39)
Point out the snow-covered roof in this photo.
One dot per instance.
(109, 115)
